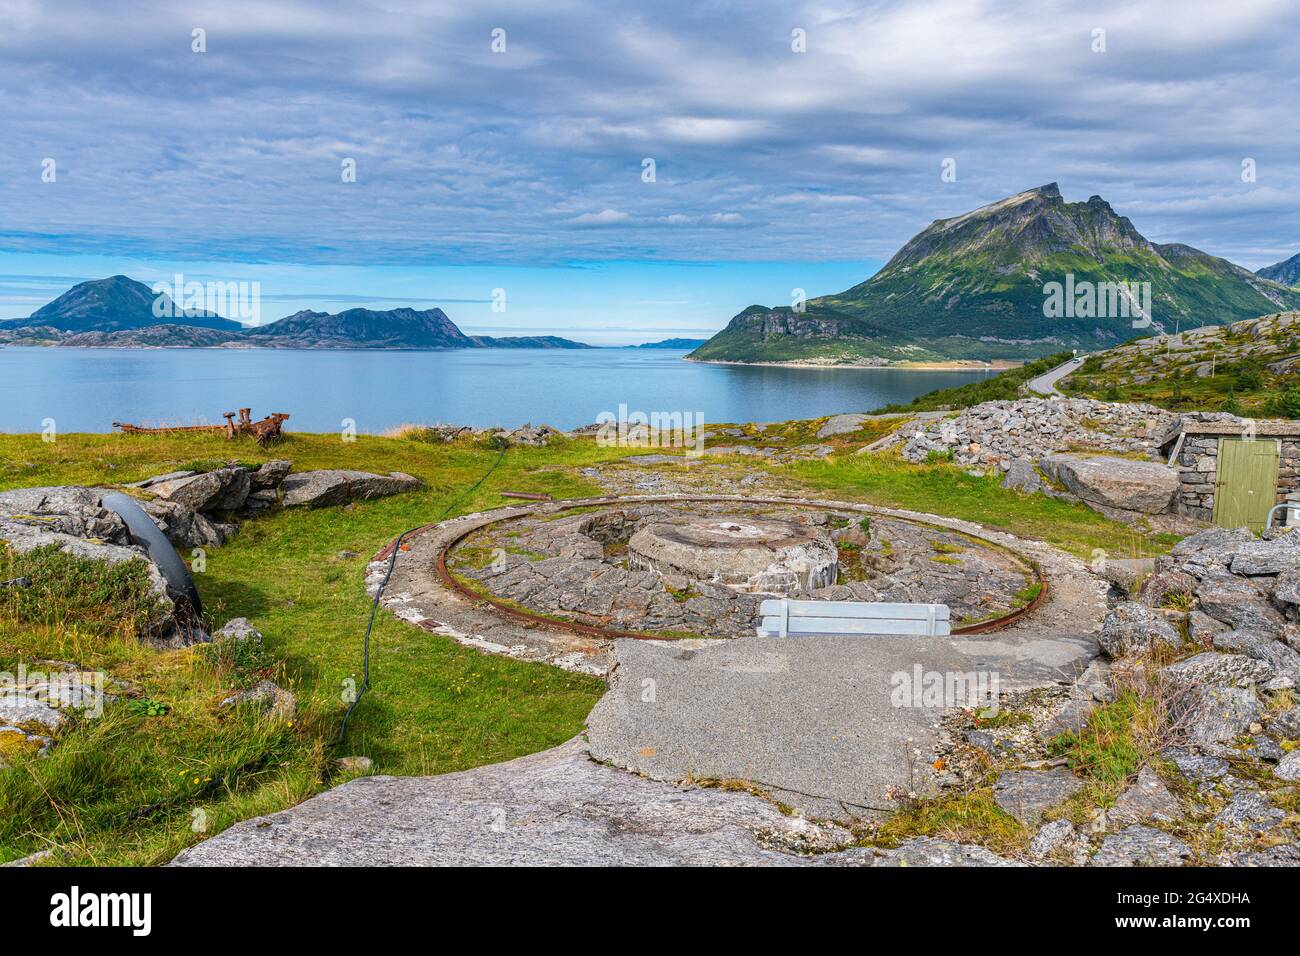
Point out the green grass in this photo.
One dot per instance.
(434, 706)
(945, 489)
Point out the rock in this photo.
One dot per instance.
(1219, 715)
(184, 527)
(159, 479)
(841, 425)
(358, 765)
(1282, 660)
(1237, 602)
(531, 435)
(1159, 588)
(1022, 475)
(1141, 846)
(1123, 483)
(1025, 794)
(1208, 551)
(70, 510)
(1195, 767)
(1286, 725)
(921, 851)
(320, 489)
(238, 629)
(1249, 810)
(20, 709)
(222, 489)
(1288, 768)
(1147, 799)
(270, 475)
(1132, 627)
(1285, 854)
(1266, 557)
(1202, 628)
(266, 695)
(1231, 670)
(258, 501)
(1057, 835)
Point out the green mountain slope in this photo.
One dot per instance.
(974, 287)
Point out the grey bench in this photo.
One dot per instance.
(785, 618)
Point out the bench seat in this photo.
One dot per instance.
(785, 618)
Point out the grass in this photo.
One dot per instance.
(946, 489)
(434, 707)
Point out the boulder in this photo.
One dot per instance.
(1282, 660)
(70, 510)
(320, 489)
(1025, 794)
(222, 489)
(1258, 557)
(1286, 724)
(238, 629)
(184, 527)
(1226, 670)
(842, 425)
(1287, 587)
(1237, 602)
(1054, 836)
(267, 696)
(1141, 846)
(1131, 627)
(270, 475)
(1022, 475)
(1219, 715)
(1126, 484)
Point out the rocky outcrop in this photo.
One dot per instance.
(1131, 627)
(320, 489)
(1110, 482)
(223, 489)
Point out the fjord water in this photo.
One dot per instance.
(86, 390)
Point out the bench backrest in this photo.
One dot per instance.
(784, 618)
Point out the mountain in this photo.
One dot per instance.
(362, 328)
(1286, 272)
(977, 286)
(113, 304)
(672, 344)
(119, 313)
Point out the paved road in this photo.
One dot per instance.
(1045, 384)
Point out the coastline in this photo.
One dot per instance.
(952, 365)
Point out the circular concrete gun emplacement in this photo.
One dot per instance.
(741, 552)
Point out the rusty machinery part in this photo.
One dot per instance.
(590, 630)
(266, 430)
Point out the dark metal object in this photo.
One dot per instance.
(589, 630)
(145, 533)
(16, 583)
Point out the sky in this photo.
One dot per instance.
(508, 145)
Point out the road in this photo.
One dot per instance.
(1045, 384)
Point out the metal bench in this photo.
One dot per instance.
(785, 618)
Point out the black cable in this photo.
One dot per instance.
(388, 573)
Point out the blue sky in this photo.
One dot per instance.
(523, 169)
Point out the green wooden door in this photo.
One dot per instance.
(1246, 486)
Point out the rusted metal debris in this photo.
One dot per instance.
(263, 431)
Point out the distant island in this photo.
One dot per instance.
(672, 344)
(119, 312)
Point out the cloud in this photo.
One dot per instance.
(464, 155)
(606, 217)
